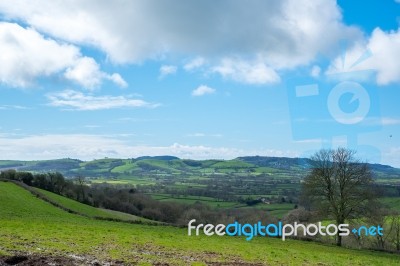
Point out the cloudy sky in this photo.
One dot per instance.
(199, 79)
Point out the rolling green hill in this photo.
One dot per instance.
(224, 183)
(31, 226)
(112, 168)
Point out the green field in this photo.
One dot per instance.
(275, 209)
(30, 225)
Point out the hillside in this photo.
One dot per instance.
(87, 210)
(48, 234)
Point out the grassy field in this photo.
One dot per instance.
(30, 225)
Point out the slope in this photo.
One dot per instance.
(87, 210)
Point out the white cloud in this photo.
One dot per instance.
(88, 147)
(92, 126)
(380, 53)
(203, 90)
(387, 121)
(194, 64)
(287, 33)
(87, 73)
(166, 70)
(117, 79)
(315, 71)
(386, 52)
(13, 107)
(197, 135)
(74, 100)
(27, 55)
(246, 72)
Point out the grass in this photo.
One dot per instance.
(193, 199)
(123, 181)
(28, 224)
(276, 209)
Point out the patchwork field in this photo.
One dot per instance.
(218, 183)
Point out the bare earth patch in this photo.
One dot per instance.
(43, 260)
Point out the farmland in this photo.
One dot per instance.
(239, 183)
(30, 225)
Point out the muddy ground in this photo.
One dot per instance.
(42, 260)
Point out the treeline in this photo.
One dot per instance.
(126, 198)
(385, 217)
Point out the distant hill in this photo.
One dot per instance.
(305, 163)
(162, 158)
(115, 168)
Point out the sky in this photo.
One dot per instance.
(199, 79)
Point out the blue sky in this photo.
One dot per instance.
(199, 79)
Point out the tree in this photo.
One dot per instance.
(8, 174)
(80, 189)
(57, 182)
(339, 186)
(25, 177)
(394, 230)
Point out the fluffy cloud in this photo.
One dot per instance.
(194, 64)
(166, 70)
(27, 55)
(380, 52)
(385, 48)
(203, 90)
(246, 72)
(285, 34)
(74, 100)
(87, 73)
(117, 79)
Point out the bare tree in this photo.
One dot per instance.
(80, 180)
(339, 186)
